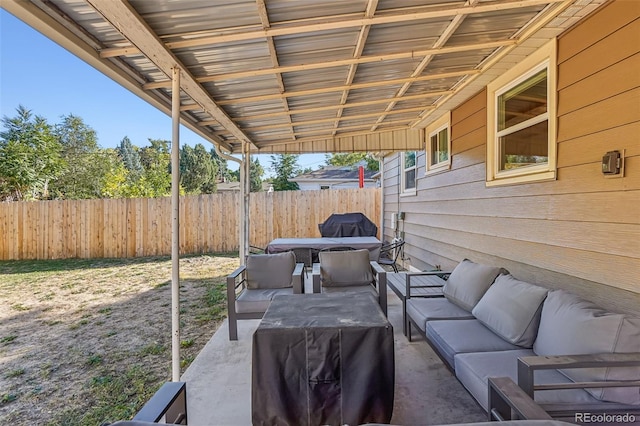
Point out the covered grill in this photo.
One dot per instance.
(348, 225)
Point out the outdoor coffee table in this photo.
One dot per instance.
(323, 359)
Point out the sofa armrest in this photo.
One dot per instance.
(443, 275)
(169, 402)
(232, 285)
(315, 273)
(507, 401)
(529, 364)
(380, 277)
(298, 280)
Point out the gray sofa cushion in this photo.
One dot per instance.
(474, 369)
(570, 325)
(468, 282)
(421, 310)
(511, 309)
(258, 300)
(345, 268)
(451, 337)
(270, 270)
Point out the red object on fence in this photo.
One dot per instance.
(361, 177)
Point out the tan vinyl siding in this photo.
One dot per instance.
(580, 232)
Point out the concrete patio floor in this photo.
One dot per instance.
(426, 393)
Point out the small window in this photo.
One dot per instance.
(438, 145)
(523, 120)
(408, 172)
(324, 186)
(521, 128)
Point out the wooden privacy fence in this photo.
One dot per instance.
(136, 227)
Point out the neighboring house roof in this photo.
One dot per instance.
(334, 173)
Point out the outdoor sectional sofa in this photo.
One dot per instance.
(489, 324)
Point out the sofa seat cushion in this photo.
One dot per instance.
(511, 309)
(421, 310)
(474, 369)
(468, 282)
(256, 301)
(451, 337)
(570, 326)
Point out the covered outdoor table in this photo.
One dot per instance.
(322, 359)
(372, 244)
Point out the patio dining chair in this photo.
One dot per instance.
(251, 287)
(350, 272)
(389, 254)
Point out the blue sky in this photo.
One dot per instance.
(51, 82)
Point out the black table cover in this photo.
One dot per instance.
(348, 225)
(323, 359)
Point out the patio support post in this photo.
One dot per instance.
(175, 226)
(245, 190)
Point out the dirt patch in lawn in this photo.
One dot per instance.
(89, 341)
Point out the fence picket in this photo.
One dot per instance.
(136, 227)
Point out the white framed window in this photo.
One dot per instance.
(521, 127)
(408, 174)
(439, 145)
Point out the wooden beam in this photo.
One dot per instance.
(379, 83)
(327, 23)
(425, 95)
(527, 30)
(327, 120)
(344, 62)
(442, 40)
(362, 60)
(126, 20)
(357, 53)
(264, 18)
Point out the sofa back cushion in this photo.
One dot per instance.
(270, 270)
(511, 309)
(571, 326)
(468, 282)
(345, 268)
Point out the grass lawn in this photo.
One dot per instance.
(84, 342)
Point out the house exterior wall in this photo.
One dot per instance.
(581, 231)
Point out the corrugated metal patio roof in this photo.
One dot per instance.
(305, 75)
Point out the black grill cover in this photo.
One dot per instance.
(348, 225)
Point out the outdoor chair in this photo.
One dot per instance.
(389, 254)
(251, 287)
(350, 272)
(305, 255)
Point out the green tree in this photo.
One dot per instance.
(130, 158)
(197, 170)
(256, 172)
(285, 166)
(223, 174)
(353, 158)
(86, 164)
(115, 182)
(29, 156)
(156, 177)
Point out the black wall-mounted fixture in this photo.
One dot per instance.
(611, 163)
